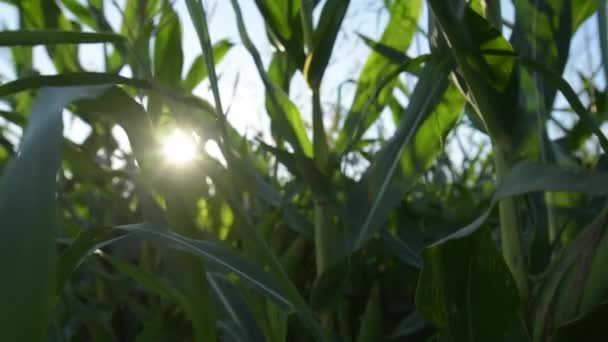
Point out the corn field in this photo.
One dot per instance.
(479, 214)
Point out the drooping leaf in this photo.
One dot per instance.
(235, 307)
(528, 177)
(83, 245)
(28, 248)
(218, 256)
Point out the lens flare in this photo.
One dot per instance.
(179, 148)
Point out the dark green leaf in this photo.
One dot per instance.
(29, 211)
(590, 326)
(235, 307)
(370, 329)
(51, 37)
(69, 80)
(411, 324)
(324, 40)
(459, 279)
(282, 18)
(432, 111)
(217, 255)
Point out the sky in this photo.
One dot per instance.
(246, 99)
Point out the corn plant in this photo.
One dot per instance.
(319, 233)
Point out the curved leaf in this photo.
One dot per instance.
(218, 256)
(29, 212)
(235, 307)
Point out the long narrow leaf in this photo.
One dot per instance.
(51, 37)
(29, 212)
(216, 254)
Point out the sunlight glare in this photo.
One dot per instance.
(179, 148)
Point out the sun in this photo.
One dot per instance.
(179, 148)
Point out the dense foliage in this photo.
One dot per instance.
(321, 233)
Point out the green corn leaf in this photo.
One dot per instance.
(288, 119)
(235, 307)
(528, 177)
(458, 281)
(198, 71)
(432, 111)
(29, 186)
(252, 179)
(402, 250)
(148, 280)
(590, 325)
(83, 245)
(396, 56)
(283, 23)
(544, 33)
(575, 282)
(330, 285)
(398, 34)
(52, 37)
(155, 284)
(81, 12)
(168, 54)
(292, 124)
(371, 323)
(324, 40)
(525, 177)
(216, 255)
(260, 246)
(69, 80)
(280, 72)
(409, 325)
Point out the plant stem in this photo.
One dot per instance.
(323, 230)
(321, 236)
(509, 228)
(319, 138)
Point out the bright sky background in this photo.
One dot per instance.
(246, 100)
